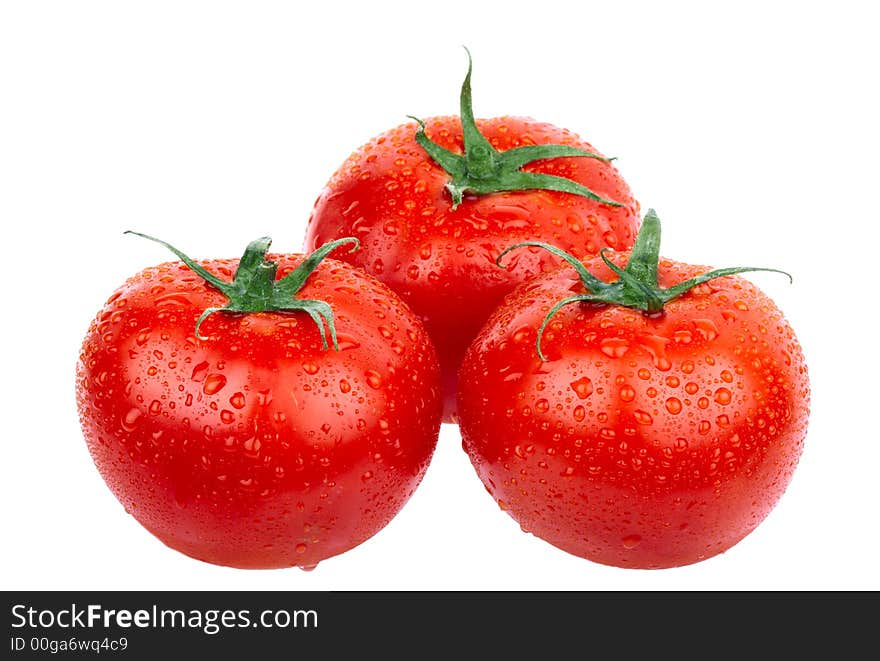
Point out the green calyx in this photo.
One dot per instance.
(637, 284)
(482, 169)
(255, 289)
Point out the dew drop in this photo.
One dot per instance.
(614, 347)
(723, 396)
(213, 384)
(583, 387)
(199, 372)
(631, 541)
(301, 548)
(131, 419)
(310, 367)
(627, 393)
(643, 417)
(344, 386)
(374, 379)
(346, 342)
(673, 405)
(706, 328)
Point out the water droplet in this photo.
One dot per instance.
(522, 334)
(346, 342)
(227, 416)
(367, 476)
(155, 407)
(583, 387)
(374, 379)
(301, 548)
(704, 427)
(706, 328)
(614, 347)
(310, 367)
(213, 384)
(627, 393)
(673, 405)
(643, 417)
(723, 396)
(542, 406)
(672, 381)
(631, 541)
(687, 366)
(143, 336)
(199, 372)
(344, 386)
(691, 388)
(131, 419)
(579, 413)
(238, 400)
(683, 336)
(656, 346)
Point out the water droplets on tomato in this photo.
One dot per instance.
(213, 384)
(643, 417)
(614, 347)
(631, 541)
(131, 419)
(582, 387)
(199, 372)
(373, 378)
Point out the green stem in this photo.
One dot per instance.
(255, 289)
(481, 169)
(637, 284)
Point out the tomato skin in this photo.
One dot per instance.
(258, 448)
(644, 441)
(392, 196)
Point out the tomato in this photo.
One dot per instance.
(243, 436)
(645, 417)
(435, 202)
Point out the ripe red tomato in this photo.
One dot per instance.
(646, 437)
(434, 206)
(249, 442)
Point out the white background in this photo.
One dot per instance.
(752, 130)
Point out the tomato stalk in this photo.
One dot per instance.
(255, 289)
(482, 169)
(637, 284)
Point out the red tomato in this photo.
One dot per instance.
(399, 195)
(249, 443)
(645, 439)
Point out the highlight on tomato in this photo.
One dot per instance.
(635, 411)
(266, 412)
(435, 201)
